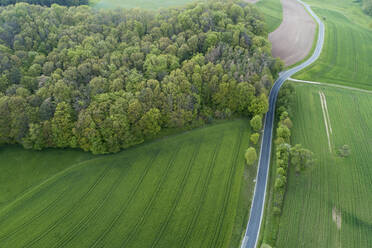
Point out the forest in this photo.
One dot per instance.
(46, 2)
(106, 80)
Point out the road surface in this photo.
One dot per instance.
(255, 219)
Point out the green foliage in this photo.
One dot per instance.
(256, 123)
(142, 193)
(46, 2)
(62, 125)
(255, 138)
(130, 4)
(106, 80)
(344, 151)
(301, 158)
(250, 155)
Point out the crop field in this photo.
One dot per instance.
(187, 190)
(147, 4)
(272, 12)
(329, 204)
(346, 57)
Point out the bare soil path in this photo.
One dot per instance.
(294, 38)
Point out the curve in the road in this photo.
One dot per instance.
(253, 227)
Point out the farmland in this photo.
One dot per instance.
(346, 56)
(272, 12)
(186, 190)
(147, 4)
(328, 205)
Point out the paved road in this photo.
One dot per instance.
(255, 219)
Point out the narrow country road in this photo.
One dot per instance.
(257, 208)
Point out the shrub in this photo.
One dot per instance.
(256, 123)
(250, 155)
(254, 138)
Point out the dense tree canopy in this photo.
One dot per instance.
(46, 2)
(106, 80)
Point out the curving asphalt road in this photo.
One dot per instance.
(255, 219)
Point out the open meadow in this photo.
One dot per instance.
(328, 205)
(346, 56)
(187, 190)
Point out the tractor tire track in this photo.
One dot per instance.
(127, 203)
(203, 193)
(228, 187)
(147, 210)
(83, 222)
(33, 218)
(179, 194)
(47, 181)
(69, 212)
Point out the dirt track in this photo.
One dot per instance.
(293, 40)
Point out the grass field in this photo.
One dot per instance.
(147, 4)
(346, 57)
(186, 190)
(329, 204)
(272, 12)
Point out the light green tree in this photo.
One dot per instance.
(256, 123)
(250, 155)
(254, 138)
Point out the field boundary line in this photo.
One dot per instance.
(179, 193)
(331, 85)
(92, 213)
(203, 193)
(326, 109)
(325, 121)
(229, 182)
(54, 225)
(147, 209)
(125, 205)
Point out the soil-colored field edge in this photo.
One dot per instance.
(293, 39)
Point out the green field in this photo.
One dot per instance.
(272, 12)
(186, 190)
(147, 4)
(334, 187)
(346, 57)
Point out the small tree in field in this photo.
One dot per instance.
(254, 138)
(256, 123)
(344, 151)
(250, 156)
